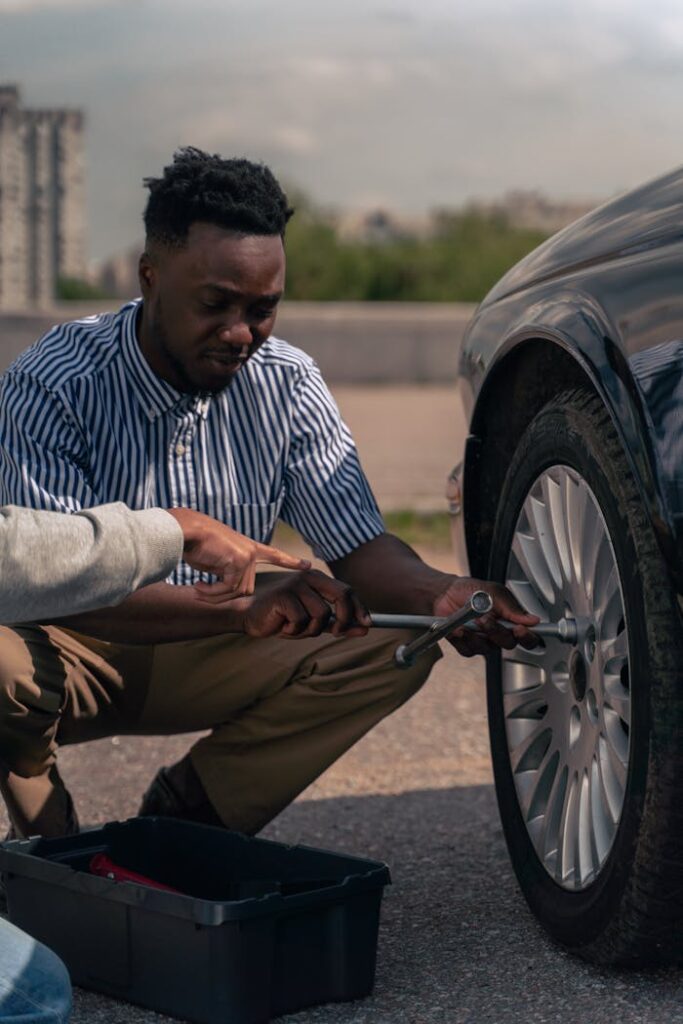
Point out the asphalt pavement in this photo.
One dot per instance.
(457, 944)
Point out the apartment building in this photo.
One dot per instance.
(42, 201)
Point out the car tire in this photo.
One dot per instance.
(629, 908)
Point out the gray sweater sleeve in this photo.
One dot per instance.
(53, 564)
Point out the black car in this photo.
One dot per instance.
(571, 374)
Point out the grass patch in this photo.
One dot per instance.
(419, 529)
(422, 529)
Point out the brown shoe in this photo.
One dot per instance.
(164, 800)
(67, 817)
(71, 828)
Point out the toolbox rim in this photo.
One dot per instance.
(17, 856)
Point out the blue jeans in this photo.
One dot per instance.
(34, 983)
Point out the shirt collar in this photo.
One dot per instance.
(156, 396)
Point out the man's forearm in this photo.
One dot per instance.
(159, 614)
(389, 576)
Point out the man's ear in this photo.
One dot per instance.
(146, 274)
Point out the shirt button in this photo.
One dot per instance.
(180, 449)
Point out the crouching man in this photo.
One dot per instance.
(185, 397)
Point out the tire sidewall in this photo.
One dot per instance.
(563, 436)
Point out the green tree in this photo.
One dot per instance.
(74, 289)
(462, 258)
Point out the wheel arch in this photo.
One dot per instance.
(531, 367)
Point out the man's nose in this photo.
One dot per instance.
(237, 335)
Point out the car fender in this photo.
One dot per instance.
(574, 323)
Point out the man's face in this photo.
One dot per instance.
(209, 305)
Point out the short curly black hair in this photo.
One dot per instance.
(235, 194)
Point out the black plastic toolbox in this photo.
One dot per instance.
(264, 929)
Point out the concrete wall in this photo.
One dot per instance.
(354, 343)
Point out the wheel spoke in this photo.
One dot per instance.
(527, 597)
(575, 503)
(530, 772)
(539, 793)
(568, 833)
(529, 740)
(601, 820)
(606, 579)
(531, 704)
(615, 647)
(617, 740)
(555, 498)
(549, 837)
(544, 531)
(618, 698)
(610, 611)
(523, 667)
(591, 540)
(532, 561)
(586, 866)
(612, 783)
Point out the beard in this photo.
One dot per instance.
(160, 341)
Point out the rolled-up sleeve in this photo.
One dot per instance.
(327, 496)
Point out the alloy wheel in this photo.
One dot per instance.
(568, 708)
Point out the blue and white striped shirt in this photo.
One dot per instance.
(84, 421)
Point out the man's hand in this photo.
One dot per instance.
(489, 635)
(302, 605)
(213, 547)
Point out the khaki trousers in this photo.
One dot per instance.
(280, 711)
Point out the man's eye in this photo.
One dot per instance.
(263, 312)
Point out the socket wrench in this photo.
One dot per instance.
(564, 630)
(478, 604)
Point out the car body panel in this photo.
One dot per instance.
(617, 309)
(647, 217)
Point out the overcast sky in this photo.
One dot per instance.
(404, 103)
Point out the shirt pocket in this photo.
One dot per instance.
(255, 521)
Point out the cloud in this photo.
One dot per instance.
(414, 103)
(395, 15)
(671, 31)
(34, 6)
(297, 140)
(359, 71)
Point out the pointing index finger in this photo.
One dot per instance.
(273, 556)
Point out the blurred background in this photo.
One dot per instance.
(426, 144)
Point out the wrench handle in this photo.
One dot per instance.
(380, 620)
(564, 629)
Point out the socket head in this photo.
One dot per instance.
(481, 602)
(401, 656)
